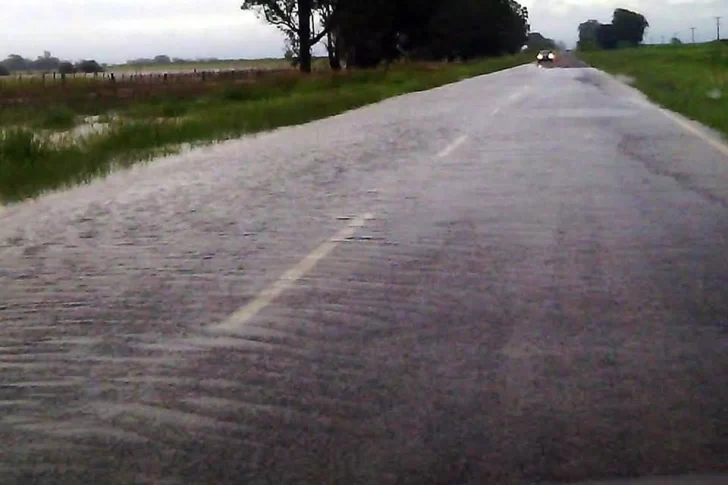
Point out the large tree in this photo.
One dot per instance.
(327, 12)
(367, 32)
(304, 22)
(588, 34)
(305, 14)
(629, 27)
(381, 30)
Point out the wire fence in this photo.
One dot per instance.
(194, 75)
(114, 88)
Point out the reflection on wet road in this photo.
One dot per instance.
(516, 278)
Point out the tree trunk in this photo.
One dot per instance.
(304, 34)
(332, 46)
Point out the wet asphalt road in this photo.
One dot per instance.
(532, 288)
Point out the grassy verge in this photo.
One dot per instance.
(31, 164)
(689, 79)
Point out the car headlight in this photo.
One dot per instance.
(539, 57)
(552, 56)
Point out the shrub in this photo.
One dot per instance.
(58, 117)
(20, 146)
(89, 67)
(173, 110)
(66, 68)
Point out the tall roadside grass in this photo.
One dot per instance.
(31, 164)
(689, 79)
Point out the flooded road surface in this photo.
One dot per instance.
(514, 279)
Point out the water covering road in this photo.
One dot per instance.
(516, 278)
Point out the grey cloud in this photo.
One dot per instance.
(117, 30)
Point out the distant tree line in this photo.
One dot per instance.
(365, 33)
(47, 63)
(626, 30)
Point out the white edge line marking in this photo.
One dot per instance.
(643, 100)
(721, 147)
(452, 147)
(240, 318)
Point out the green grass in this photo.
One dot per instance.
(689, 79)
(51, 118)
(30, 164)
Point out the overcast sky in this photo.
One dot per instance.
(117, 30)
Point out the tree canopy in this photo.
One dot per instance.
(627, 29)
(46, 63)
(297, 19)
(367, 32)
(536, 42)
(607, 36)
(89, 66)
(66, 68)
(588, 34)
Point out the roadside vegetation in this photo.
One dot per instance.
(163, 119)
(689, 79)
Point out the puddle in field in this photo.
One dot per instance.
(91, 126)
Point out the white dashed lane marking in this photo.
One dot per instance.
(237, 321)
(452, 147)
